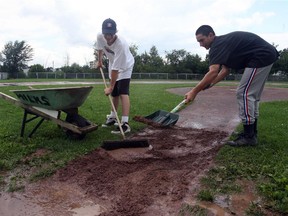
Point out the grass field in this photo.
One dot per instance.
(266, 165)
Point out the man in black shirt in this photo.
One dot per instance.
(238, 50)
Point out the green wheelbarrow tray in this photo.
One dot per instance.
(163, 117)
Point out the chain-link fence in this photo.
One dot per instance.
(148, 76)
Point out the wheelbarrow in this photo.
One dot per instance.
(162, 118)
(47, 104)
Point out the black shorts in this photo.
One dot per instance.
(121, 88)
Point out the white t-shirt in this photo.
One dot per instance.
(119, 56)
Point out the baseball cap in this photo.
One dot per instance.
(109, 26)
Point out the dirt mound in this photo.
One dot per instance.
(133, 182)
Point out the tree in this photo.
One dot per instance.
(15, 57)
(137, 65)
(1, 60)
(176, 60)
(36, 68)
(74, 68)
(156, 61)
(195, 64)
(148, 62)
(175, 57)
(281, 65)
(133, 49)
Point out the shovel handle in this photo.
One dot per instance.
(181, 104)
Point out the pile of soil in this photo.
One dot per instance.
(147, 121)
(156, 181)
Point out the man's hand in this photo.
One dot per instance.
(108, 91)
(99, 65)
(190, 96)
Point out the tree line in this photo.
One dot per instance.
(15, 56)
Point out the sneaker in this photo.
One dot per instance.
(108, 116)
(243, 140)
(125, 127)
(109, 122)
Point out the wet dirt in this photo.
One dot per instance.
(144, 120)
(146, 181)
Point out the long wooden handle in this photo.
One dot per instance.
(112, 104)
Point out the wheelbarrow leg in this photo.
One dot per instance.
(36, 127)
(25, 121)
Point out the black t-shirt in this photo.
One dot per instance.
(239, 50)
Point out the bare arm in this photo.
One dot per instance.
(100, 58)
(210, 76)
(221, 75)
(114, 76)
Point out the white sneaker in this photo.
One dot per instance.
(108, 116)
(125, 127)
(109, 122)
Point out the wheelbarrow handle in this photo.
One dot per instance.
(179, 106)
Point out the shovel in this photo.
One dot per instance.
(165, 118)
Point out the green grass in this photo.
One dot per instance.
(205, 195)
(266, 165)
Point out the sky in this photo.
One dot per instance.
(64, 31)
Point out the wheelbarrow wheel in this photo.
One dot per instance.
(79, 121)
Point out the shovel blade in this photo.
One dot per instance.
(163, 117)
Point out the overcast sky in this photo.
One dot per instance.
(57, 29)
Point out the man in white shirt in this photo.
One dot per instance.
(121, 62)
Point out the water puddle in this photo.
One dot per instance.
(45, 199)
(88, 209)
(191, 124)
(17, 205)
(227, 205)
